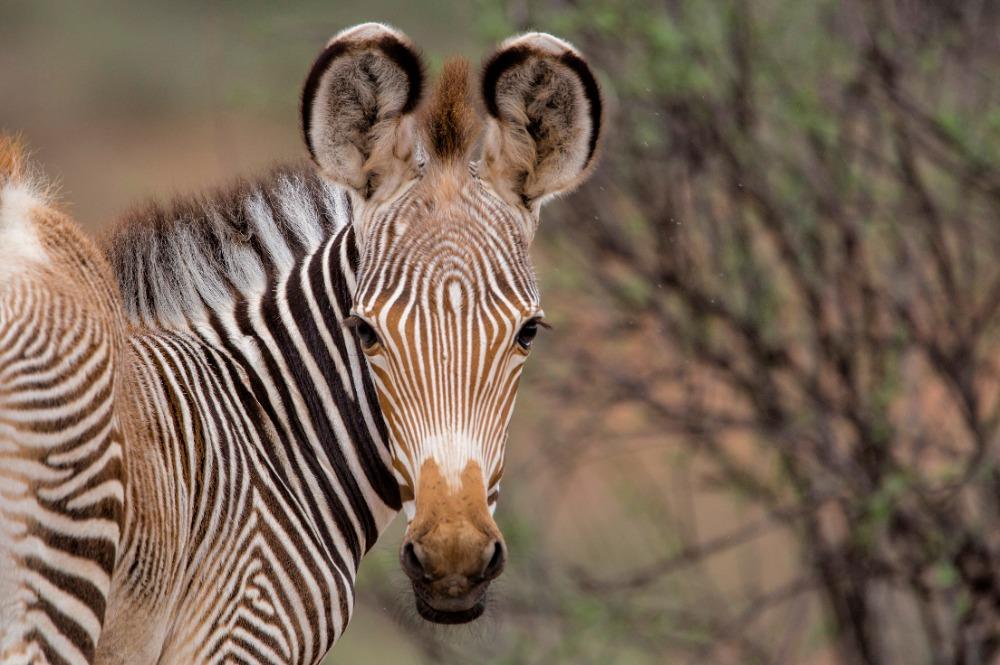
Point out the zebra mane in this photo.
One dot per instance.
(174, 260)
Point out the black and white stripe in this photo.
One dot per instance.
(267, 423)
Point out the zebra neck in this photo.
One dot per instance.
(305, 370)
(263, 272)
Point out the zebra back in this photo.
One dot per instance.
(61, 439)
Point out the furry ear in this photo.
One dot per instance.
(545, 119)
(357, 108)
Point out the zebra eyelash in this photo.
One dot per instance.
(538, 321)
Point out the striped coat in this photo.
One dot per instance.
(201, 430)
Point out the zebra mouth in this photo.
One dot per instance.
(450, 617)
(448, 610)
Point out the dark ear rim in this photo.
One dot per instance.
(401, 54)
(505, 59)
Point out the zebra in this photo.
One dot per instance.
(207, 419)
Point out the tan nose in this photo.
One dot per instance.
(455, 561)
(452, 541)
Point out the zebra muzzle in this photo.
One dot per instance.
(453, 548)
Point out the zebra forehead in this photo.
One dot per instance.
(448, 270)
(428, 240)
(453, 205)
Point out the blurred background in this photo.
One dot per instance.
(765, 427)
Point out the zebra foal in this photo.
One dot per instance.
(205, 424)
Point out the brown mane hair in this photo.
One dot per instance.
(450, 121)
(11, 158)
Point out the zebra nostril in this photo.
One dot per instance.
(497, 561)
(411, 563)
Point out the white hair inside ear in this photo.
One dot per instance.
(544, 123)
(357, 109)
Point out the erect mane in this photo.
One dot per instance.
(173, 260)
(450, 122)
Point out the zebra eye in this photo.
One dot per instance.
(526, 335)
(366, 334)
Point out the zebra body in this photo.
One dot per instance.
(204, 427)
(275, 455)
(269, 474)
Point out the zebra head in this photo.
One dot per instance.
(446, 305)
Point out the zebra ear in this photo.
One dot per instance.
(357, 108)
(544, 108)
